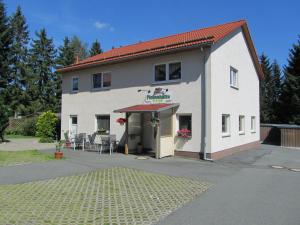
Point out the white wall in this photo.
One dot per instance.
(127, 78)
(233, 51)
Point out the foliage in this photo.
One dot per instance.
(23, 126)
(66, 53)
(29, 126)
(95, 49)
(290, 96)
(46, 125)
(80, 48)
(46, 140)
(4, 121)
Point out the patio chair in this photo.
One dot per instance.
(79, 141)
(108, 143)
(91, 145)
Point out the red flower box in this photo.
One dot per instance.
(184, 133)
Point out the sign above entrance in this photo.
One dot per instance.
(159, 95)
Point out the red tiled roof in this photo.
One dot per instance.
(147, 108)
(188, 39)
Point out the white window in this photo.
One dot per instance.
(75, 84)
(225, 125)
(101, 80)
(185, 122)
(241, 124)
(103, 123)
(253, 128)
(167, 72)
(234, 77)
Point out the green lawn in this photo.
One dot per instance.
(18, 136)
(9, 158)
(108, 196)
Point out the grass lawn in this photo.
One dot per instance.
(18, 136)
(108, 196)
(8, 158)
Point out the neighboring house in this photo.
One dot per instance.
(205, 81)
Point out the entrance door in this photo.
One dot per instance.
(73, 126)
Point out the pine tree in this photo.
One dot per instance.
(66, 53)
(43, 85)
(275, 91)
(265, 103)
(18, 61)
(95, 49)
(290, 96)
(4, 113)
(5, 41)
(79, 47)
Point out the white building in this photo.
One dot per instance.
(205, 81)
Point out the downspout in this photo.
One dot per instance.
(206, 104)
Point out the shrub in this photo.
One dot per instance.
(28, 128)
(46, 125)
(46, 140)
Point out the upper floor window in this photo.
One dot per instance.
(101, 80)
(233, 77)
(167, 72)
(75, 84)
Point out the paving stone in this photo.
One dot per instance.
(108, 196)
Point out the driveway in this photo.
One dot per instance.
(246, 189)
(20, 144)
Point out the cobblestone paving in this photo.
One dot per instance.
(109, 196)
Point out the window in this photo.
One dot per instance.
(253, 124)
(185, 122)
(166, 123)
(160, 72)
(101, 80)
(174, 71)
(106, 79)
(75, 84)
(233, 77)
(97, 80)
(241, 124)
(225, 125)
(167, 72)
(103, 123)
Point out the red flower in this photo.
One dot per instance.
(121, 121)
(185, 133)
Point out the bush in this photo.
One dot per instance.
(28, 128)
(46, 140)
(46, 125)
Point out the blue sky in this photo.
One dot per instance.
(274, 25)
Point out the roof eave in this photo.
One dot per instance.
(129, 58)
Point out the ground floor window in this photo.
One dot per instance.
(185, 122)
(225, 125)
(253, 124)
(241, 124)
(103, 123)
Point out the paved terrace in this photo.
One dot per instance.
(246, 190)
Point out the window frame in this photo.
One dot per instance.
(72, 84)
(231, 80)
(253, 128)
(178, 115)
(227, 122)
(167, 64)
(241, 132)
(96, 121)
(101, 88)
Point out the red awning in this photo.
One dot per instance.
(147, 108)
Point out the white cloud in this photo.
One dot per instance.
(101, 25)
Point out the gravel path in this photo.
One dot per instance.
(25, 144)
